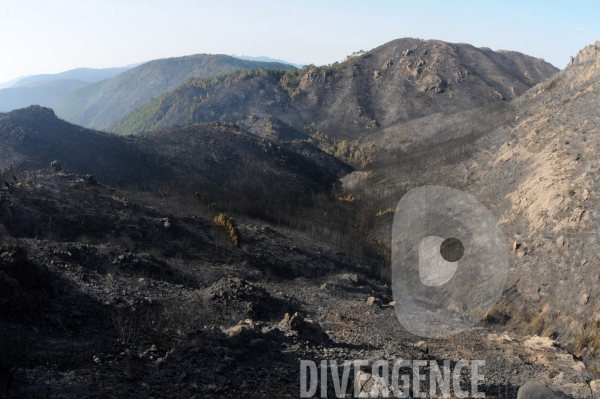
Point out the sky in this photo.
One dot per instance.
(51, 36)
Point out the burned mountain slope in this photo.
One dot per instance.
(175, 157)
(394, 83)
(534, 164)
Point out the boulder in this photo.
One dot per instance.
(539, 390)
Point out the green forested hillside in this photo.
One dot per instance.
(98, 105)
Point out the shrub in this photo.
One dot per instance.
(129, 325)
(228, 224)
(7, 190)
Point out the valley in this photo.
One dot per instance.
(199, 236)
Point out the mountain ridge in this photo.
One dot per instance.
(85, 74)
(398, 81)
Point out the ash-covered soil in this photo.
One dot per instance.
(109, 294)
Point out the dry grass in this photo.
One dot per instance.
(228, 224)
(386, 212)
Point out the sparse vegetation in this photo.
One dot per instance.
(165, 326)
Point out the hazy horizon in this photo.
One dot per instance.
(52, 36)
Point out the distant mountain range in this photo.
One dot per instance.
(11, 82)
(46, 94)
(100, 104)
(48, 89)
(262, 58)
(84, 74)
(105, 103)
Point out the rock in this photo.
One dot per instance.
(422, 346)
(55, 166)
(595, 388)
(371, 301)
(539, 390)
(560, 241)
(584, 299)
(351, 278)
(370, 384)
(515, 246)
(295, 322)
(521, 252)
(244, 330)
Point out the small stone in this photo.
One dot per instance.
(584, 299)
(595, 387)
(422, 346)
(371, 301)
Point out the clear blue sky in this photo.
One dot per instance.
(49, 36)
